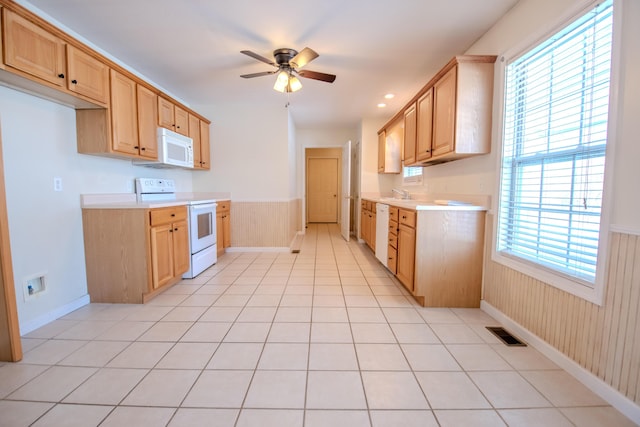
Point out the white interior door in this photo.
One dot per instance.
(346, 191)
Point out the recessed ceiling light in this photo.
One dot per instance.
(389, 96)
(382, 105)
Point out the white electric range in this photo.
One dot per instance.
(202, 221)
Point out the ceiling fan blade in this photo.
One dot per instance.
(258, 57)
(330, 78)
(303, 58)
(263, 73)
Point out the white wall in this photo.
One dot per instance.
(528, 21)
(249, 152)
(45, 227)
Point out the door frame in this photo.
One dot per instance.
(10, 343)
(322, 153)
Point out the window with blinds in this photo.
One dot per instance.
(555, 135)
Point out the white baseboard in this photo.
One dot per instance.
(257, 249)
(43, 319)
(595, 384)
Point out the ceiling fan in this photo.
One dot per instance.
(288, 63)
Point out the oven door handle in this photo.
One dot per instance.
(204, 206)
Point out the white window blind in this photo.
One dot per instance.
(411, 174)
(555, 134)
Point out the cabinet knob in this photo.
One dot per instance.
(136, 147)
(171, 230)
(143, 148)
(61, 75)
(75, 82)
(175, 229)
(173, 214)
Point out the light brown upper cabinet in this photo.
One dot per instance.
(32, 50)
(117, 113)
(147, 122)
(444, 114)
(124, 114)
(450, 118)
(462, 104)
(199, 132)
(390, 140)
(205, 154)
(87, 76)
(172, 117)
(424, 126)
(410, 121)
(126, 129)
(194, 133)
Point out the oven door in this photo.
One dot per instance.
(202, 223)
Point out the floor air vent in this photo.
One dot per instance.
(505, 336)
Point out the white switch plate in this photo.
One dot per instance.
(57, 183)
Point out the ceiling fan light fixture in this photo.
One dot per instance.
(294, 84)
(282, 81)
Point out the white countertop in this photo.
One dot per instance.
(128, 200)
(427, 205)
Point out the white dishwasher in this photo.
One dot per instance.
(382, 230)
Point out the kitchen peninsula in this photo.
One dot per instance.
(435, 249)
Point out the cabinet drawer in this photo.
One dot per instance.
(393, 214)
(407, 218)
(392, 259)
(393, 228)
(393, 240)
(223, 206)
(164, 215)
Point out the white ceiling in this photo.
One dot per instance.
(191, 48)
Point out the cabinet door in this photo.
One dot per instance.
(444, 113)
(410, 135)
(181, 253)
(194, 133)
(382, 138)
(424, 126)
(166, 117)
(205, 154)
(406, 255)
(87, 76)
(392, 260)
(181, 121)
(372, 230)
(147, 122)
(33, 50)
(161, 254)
(124, 117)
(226, 227)
(220, 233)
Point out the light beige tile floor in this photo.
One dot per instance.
(321, 338)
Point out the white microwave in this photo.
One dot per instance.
(174, 150)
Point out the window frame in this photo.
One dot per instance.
(412, 180)
(595, 293)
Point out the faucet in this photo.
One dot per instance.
(404, 194)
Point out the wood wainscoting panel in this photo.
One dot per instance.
(264, 224)
(604, 340)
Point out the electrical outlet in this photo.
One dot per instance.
(57, 184)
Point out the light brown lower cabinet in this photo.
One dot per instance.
(437, 255)
(406, 248)
(223, 226)
(449, 257)
(131, 255)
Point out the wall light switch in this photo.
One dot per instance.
(57, 184)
